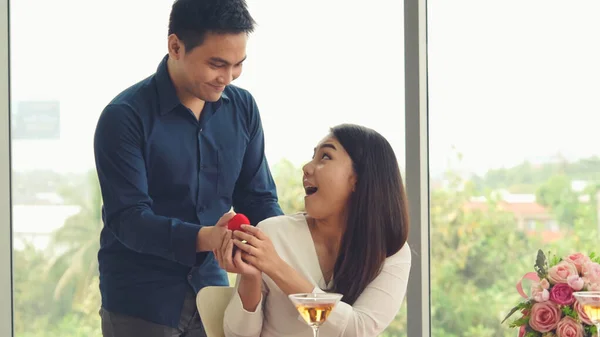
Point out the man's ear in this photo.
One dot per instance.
(176, 47)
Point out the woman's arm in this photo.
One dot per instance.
(250, 290)
(243, 315)
(240, 319)
(289, 280)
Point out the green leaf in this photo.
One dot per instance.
(594, 257)
(590, 330)
(512, 311)
(520, 306)
(533, 334)
(541, 265)
(519, 322)
(554, 260)
(568, 311)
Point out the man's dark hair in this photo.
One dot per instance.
(190, 20)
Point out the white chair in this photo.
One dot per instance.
(211, 302)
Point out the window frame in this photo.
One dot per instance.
(6, 291)
(417, 166)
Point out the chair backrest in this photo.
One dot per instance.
(211, 302)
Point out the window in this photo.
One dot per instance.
(343, 65)
(511, 93)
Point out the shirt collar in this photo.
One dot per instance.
(167, 95)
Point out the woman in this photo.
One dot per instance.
(351, 240)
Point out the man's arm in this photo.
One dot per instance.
(255, 193)
(123, 180)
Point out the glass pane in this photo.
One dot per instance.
(513, 93)
(63, 73)
(301, 73)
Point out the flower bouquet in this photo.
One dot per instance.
(551, 310)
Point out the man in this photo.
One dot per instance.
(174, 153)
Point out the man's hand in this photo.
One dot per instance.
(211, 238)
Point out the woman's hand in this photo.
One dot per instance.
(233, 263)
(258, 250)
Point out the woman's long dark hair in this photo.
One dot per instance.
(378, 221)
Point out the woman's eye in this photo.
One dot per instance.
(325, 156)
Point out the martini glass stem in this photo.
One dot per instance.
(316, 331)
(598, 329)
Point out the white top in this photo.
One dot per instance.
(276, 316)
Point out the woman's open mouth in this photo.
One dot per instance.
(310, 190)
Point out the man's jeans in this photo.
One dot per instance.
(117, 325)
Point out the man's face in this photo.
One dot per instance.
(204, 71)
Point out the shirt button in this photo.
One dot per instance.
(190, 277)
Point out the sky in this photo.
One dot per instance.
(508, 80)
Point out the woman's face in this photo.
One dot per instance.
(329, 180)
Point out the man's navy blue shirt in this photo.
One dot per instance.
(164, 174)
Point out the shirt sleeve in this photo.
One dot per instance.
(376, 307)
(118, 143)
(255, 194)
(237, 321)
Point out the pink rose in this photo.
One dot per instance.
(568, 327)
(541, 296)
(578, 259)
(522, 331)
(591, 276)
(544, 316)
(575, 282)
(562, 294)
(560, 272)
(582, 315)
(591, 269)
